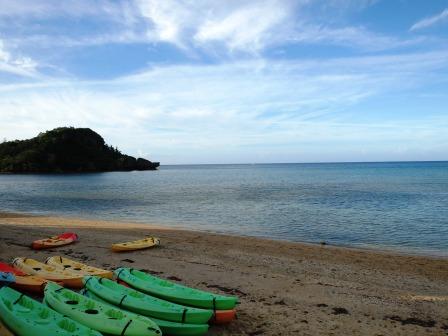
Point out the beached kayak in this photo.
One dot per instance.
(55, 241)
(174, 292)
(27, 317)
(24, 281)
(34, 267)
(136, 244)
(72, 265)
(144, 304)
(4, 331)
(6, 278)
(168, 328)
(96, 315)
(223, 316)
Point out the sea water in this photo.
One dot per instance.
(398, 206)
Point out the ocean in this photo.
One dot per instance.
(389, 206)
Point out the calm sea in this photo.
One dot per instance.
(398, 206)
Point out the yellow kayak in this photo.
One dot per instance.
(136, 244)
(34, 267)
(72, 265)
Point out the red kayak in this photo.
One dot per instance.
(55, 241)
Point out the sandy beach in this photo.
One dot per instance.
(284, 288)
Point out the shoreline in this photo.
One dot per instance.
(285, 288)
(90, 222)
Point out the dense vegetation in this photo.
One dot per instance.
(67, 149)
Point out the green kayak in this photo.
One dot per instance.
(98, 316)
(174, 292)
(144, 304)
(167, 327)
(27, 317)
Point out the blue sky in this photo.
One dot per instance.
(232, 81)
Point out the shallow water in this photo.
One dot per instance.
(398, 206)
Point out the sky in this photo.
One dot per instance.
(235, 81)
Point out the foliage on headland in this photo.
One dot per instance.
(67, 149)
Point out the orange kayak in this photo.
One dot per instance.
(223, 316)
(55, 241)
(25, 282)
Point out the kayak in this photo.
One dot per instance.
(4, 331)
(24, 316)
(136, 244)
(72, 265)
(167, 327)
(24, 281)
(140, 303)
(93, 314)
(6, 278)
(34, 267)
(174, 292)
(223, 316)
(55, 241)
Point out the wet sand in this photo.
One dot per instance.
(284, 288)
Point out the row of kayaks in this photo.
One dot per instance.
(71, 237)
(124, 302)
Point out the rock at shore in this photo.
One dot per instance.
(67, 150)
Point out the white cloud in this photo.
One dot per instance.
(17, 65)
(242, 107)
(246, 26)
(169, 19)
(430, 21)
(250, 27)
(211, 26)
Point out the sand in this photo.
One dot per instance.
(284, 288)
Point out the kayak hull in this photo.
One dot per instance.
(72, 265)
(4, 331)
(223, 316)
(167, 327)
(55, 241)
(30, 283)
(7, 278)
(136, 245)
(144, 304)
(98, 316)
(23, 281)
(34, 267)
(174, 292)
(24, 316)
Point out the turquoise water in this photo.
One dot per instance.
(399, 206)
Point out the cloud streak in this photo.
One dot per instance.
(430, 21)
(239, 26)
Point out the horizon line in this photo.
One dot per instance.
(318, 162)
